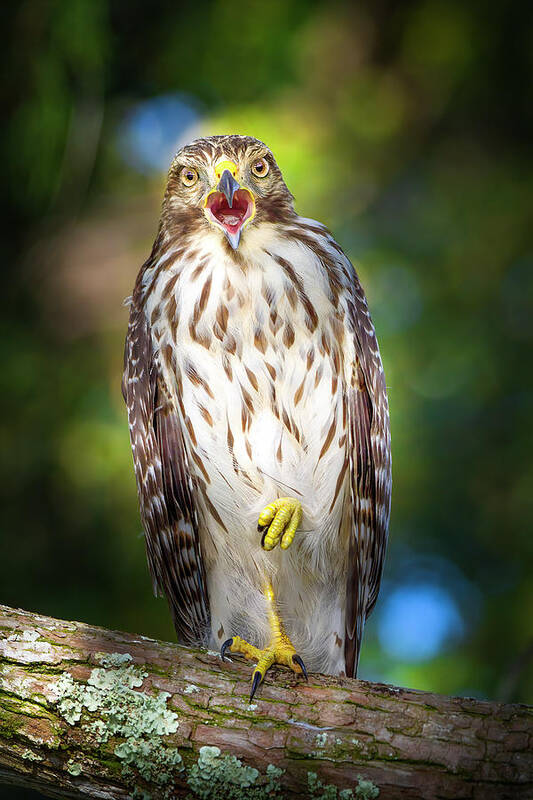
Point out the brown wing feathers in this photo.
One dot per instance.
(363, 504)
(160, 460)
(370, 478)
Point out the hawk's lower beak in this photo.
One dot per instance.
(228, 186)
(230, 207)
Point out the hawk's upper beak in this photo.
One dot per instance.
(228, 185)
(229, 206)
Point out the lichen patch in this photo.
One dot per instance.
(29, 755)
(74, 768)
(216, 775)
(113, 659)
(138, 718)
(365, 789)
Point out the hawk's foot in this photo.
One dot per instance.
(280, 649)
(279, 521)
(282, 652)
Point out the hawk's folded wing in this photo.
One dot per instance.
(370, 473)
(164, 484)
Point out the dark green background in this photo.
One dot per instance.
(406, 128)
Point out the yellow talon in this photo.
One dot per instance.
(280, 649)
(279, 520)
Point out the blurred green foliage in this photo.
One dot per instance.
(406, 128)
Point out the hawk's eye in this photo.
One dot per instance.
(260, 168)
(189, 176)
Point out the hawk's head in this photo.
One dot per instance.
(229, 183)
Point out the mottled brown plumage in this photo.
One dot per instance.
(252, 371)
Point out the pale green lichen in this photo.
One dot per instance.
(98, 729)
(138, 718)
(272, 786)
(113, 659)
(321, 739)
(153, 762)
(29, 755)
(73, 767)
(365, 789)
(314, 785)
(190, 688)
(215, 776)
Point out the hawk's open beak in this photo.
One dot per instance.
(229, 206)
(228, 185)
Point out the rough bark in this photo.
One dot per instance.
(83, 712)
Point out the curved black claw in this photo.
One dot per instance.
(297, 660)
(255, 683)
(263, 530)
(224, 647)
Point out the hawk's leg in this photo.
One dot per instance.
(280, 649)
(277, 523)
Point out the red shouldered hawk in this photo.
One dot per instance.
(258, 418)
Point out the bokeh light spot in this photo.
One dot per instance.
(155, 129)
(417, 621)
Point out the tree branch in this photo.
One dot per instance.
(87, 712)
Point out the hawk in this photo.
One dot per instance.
(258, 418)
